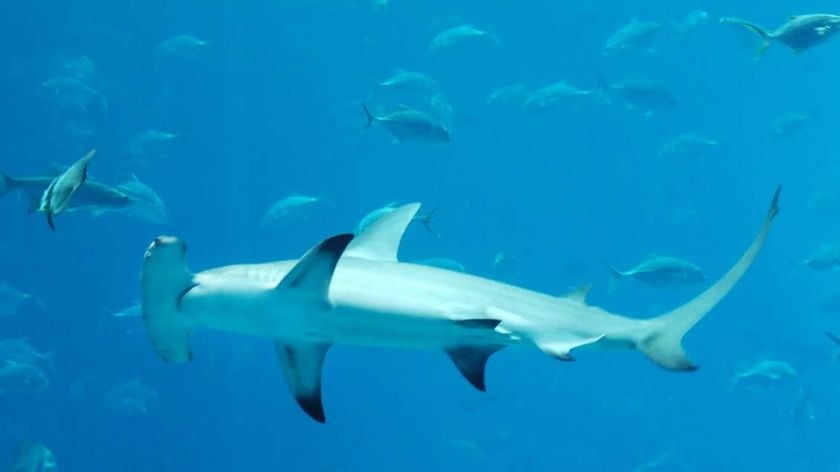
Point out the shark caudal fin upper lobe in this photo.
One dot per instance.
(663, 341)
(766, 37)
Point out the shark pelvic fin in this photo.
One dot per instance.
(302, 365)
(471, 361)
(313, 272)
(381, 240)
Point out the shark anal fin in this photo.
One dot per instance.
(471, 361)
(302, 364)
(313, 272)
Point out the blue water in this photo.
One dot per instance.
(272, 106)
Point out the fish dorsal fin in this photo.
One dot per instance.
(313, 272)
(579, 294)
(471, 361)
(380, 241)
(302, 364)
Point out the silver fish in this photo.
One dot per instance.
(11, 299)
(130, 397)
(549, 96)
(827, 257)
(407, 124)
(636, 34)
(687, 144)
(766, 373)
(21, 378)
(282, 209)
(376, 215)
(30, 456)
(19, 350)
(799, 33)
(56, 198)
(408, 80)
(459, 34)
(148, 205)
(659, 271)
(73, 92)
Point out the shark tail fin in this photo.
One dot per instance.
(662, 343)
(766, 37)
(368, 115)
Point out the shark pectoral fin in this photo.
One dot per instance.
(313, 272)
(562, 349)
(302, 364)
(380, 241)
(471, 361)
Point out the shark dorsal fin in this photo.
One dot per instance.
(313, 272)
(302, 364)
(579, 294)
(380, 241)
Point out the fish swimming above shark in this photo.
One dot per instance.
(350, 290)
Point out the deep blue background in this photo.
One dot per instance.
(271, 106)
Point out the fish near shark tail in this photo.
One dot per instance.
(616, 276)
(766, 38)
(662, 341)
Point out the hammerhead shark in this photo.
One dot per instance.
(353, 291)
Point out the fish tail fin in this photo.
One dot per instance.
(5, 183)
(426, 220)
(615, 276)
(765, 36)
(368, 115)
(600, 90)
(662, 343)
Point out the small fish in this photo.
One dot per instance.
(687, 144)
(30, 456)
(80, 67)
(182, 44)
(443, 263)
(148, 206)
(150, 143)
(21, 378)
(549, 96)
(767, 373)
(659, 271)
(640, 92)
(131, 311)
(130, 397)
(836, 340)
(634, 35)
(801, 32)
(376, 215)
(460, 34)
(282, 209)
(691, 21)
(407, 124)
(56, 198)
(94, 196)
(11, 299)
(20, 351)
(510, 95)
(408, 80)
(790, 123)
(72, 92)
(827, 257)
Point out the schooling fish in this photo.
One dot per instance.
(549, 96)
(407, 124)
(350, 290)
(827, 257)
(460, 34)
(801, 32)
(639, 92)
(636, 34)
(687, 144)
(56, 198)
(659, 271)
